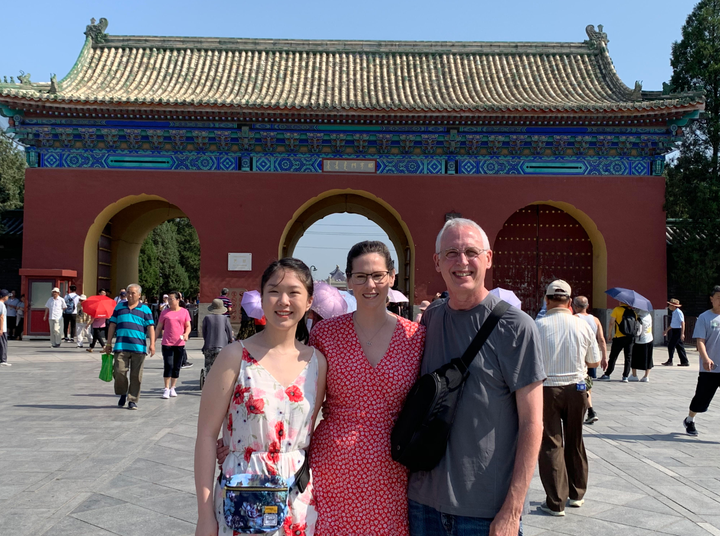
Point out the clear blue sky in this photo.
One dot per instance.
(45, 37)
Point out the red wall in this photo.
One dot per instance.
(248, 212)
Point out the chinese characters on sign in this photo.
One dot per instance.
(239, 262)
(348, 165)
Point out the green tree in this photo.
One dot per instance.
(189, 250)
(149, 269)
(693, 178)
(12, 174)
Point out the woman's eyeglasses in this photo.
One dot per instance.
(360, 278)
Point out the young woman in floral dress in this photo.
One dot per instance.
(265, 393)
(373, 361)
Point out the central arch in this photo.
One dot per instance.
(122, 226)
(365, 204)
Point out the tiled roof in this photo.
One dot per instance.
(359, 76)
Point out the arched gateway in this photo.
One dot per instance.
(240, 133)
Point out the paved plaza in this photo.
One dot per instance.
(73, 463)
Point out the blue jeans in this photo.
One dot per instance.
(426, 521)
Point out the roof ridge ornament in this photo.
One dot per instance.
(96, 32)
(596, 37)
(636, 94)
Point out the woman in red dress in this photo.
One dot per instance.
(373, 361)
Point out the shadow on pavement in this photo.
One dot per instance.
(673, 436)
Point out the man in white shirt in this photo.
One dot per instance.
(569, 348)
(54, 309)
(70, 315)
(4, 294)
(677, 334)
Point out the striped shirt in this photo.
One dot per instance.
(131, 327)
(568, 344)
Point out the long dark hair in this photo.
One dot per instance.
(368, 246)
(304, 275)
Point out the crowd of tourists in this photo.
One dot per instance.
(376, 463)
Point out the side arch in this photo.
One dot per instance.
(365, 204)
(133, 218)
(597, 242)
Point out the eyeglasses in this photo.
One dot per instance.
(360, 278)
(452, 254)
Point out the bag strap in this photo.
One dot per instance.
(483, 333)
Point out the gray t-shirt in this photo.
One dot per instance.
(708, 327)
(474, 476)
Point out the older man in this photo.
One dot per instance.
(54, 308)
(133, 323)
(569, 348)
(580, 305)
(480, 486)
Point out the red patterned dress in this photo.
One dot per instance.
(358, 488)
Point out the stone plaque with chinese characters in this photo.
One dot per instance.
(240, 262)
(349, 165)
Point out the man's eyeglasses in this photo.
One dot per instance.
(452, 254)
(360, 278)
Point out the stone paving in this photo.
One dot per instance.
(72, 463)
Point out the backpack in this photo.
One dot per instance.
(629, 324)
(69, 304)
(420, 435)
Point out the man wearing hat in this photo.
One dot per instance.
(217, 332)
(4, 295)
(677, 334)
(54, 308)
(569, 348)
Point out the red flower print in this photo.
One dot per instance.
(248, 358)
(239, 394)
(248, 453)
(229, 424)
(296, 529)
(255, 405)
(287, 524)
(280, 430)
(294, 393)
(273, 453)
(270, 468)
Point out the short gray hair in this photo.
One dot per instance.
(460, 222)
(135, 285)
(581, 302)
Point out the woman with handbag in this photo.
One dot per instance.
(373, 361)
(265, 393)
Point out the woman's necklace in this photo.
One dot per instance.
(368, 342)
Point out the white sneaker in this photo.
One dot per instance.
(5, 364)
(645, 379)
(633, 378)
(166, 393)
(172, 392)
(624, 379)
(576, 503)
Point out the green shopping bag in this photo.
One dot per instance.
(106, 372)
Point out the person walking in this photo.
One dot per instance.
(84, 321)
(12, 307)
(621, 342)
(707, 336)
(216, 331)
(70, 314)
(677, 334)
(54, 309)
(227, 302)
(4, 295)
(174, 328)
(98, 330)
(20, 325)
(264, 393)
(580, 306)
(642, 356)
(133, 323)
(569, 348)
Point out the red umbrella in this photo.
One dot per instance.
(99, 306)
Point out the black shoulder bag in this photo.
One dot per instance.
(420, 435)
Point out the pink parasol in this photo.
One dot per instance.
(327, 301)
(395, 296)
(507, 296)
(252, 303)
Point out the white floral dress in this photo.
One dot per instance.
(268, 430)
